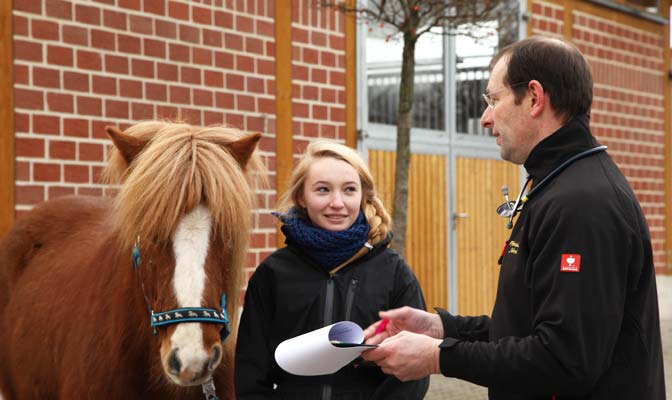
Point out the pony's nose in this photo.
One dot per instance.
(188, 373)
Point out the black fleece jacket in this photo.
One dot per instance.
(289, 295)
(589, 330)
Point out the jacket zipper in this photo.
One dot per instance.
(328, 315)
(350, 298)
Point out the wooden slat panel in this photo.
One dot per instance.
(6, 119)
(426, 240)
(481, 236)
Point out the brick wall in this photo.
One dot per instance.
(82, 65)
(628, 105)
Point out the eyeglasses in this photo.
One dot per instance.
(488, 96)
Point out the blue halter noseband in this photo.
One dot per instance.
(186, 314)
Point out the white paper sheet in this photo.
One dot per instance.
(322, 351)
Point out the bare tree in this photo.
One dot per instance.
(411, 19)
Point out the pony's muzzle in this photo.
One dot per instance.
(187, 369)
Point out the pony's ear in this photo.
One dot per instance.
(242, 149)
(129, 146)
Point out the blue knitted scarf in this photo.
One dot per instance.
(327, 248)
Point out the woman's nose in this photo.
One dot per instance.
(336, 201)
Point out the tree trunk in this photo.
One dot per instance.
(404, 123)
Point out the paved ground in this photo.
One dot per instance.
(442, 388)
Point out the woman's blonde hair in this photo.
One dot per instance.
(374, 210)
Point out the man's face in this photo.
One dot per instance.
(511, 123)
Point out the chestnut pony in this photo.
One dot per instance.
(80, 276)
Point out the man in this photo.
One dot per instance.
(576, 313)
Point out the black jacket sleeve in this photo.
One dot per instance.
(254, 363)
(464, 328)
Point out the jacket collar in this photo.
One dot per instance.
(571, 139)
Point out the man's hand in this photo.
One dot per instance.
(405, 319)
(408, 356)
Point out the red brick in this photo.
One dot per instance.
(190, 34)
(75, 127)
(167, 72)
(244, 63)
(89, 106)
(224, 19)
(76, 173)
(90, 151)
(157, 7)
(336, 114)
(103, 40)
(202, 15)
(22, 171)
(178, 52)
(336, 78)
(21, 74)
(190, 75)
(224, 101)
(191, 116)
(98, 129)
(318, 75)
(128, 44)
(212, 118)
(28, 99)
(235, 81)
(46, 124)
(179, 94)
(141, 24)
(20, 25)
(233, 41)
(59, 55)
(28, 51)
(130, 88)
(96, 172)
(87, 14)
(75, 35)
(142, 111)
(212, 38)
(130, 4)
(114, 19)
(213, 79)
(266, 106)
(60, 191)
(265, 28)
(29, 147)
(142, 68)
(244, 24)
(254, 85)
(154, 48)
(178, 10)
(203, 97)
(116, 64)
(60, 102)
(116, 109)
(254, 46)
(29, 6)
(224, 60)
(47, 30)
(104, 85)
(43, 172)
(166, 29)
(156, 91)
(265, 67)
(61, 149)
(235, 120)
(76, 81)
(202, 56)
(46, 77)
(29, 194)
(254, 123)
(90, 60)
(166, 112)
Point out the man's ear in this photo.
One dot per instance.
(242, 149)
(537, 98)
(129, 146)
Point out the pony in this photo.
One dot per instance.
(122, 298)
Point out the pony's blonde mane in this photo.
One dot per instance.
(181, 167)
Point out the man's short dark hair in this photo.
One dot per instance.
(560, 68)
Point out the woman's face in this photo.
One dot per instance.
(332, 194)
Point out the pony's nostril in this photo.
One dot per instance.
(174, 362)
(216, 355)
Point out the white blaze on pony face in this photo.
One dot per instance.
(190, 244)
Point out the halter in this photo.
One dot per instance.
(185, 314)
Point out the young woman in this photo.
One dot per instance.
(336, 266)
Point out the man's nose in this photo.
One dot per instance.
(486, 118)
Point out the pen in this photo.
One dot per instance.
(381, 326)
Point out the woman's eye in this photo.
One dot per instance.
(351, 189)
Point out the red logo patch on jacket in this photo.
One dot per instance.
(570, 263)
